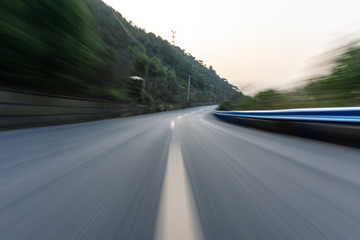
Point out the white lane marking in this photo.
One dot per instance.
(179, 117)
(172, 125)
(186, 114)
(177, 217)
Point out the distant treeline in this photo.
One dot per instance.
(85, 48)
(341, 87)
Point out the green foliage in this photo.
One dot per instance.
(140, 61)
(236, 100)
(48, 44)
(225, 106)
(85, 48)
(339, 88)
(164, 67)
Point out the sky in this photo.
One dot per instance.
(254, 44)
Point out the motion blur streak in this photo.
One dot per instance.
(103, 180)
(177, 217)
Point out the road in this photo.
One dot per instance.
(174, 175)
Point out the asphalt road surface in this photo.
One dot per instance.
(175, 175)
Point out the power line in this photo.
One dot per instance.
(127, 32)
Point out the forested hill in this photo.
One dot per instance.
(85, 48)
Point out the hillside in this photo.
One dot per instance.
(87, 49)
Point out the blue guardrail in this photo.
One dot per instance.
(344, 115)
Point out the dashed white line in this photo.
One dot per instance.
(179, 117)
(177, 218)
(172, 125)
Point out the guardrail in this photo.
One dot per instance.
(338, 125)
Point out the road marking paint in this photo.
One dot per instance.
(177, 217)
(179, 117)
(186, 114)
(172, 125)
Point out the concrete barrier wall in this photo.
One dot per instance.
(26, 109)
(29, 109)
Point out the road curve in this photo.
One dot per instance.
(108, 180)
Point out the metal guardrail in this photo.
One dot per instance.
(343, 115)
(337, 125)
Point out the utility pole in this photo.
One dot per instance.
(188, 93)
(173, 36)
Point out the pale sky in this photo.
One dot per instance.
(254, 44)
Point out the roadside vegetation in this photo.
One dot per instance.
(84, 48)
(339, 88)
